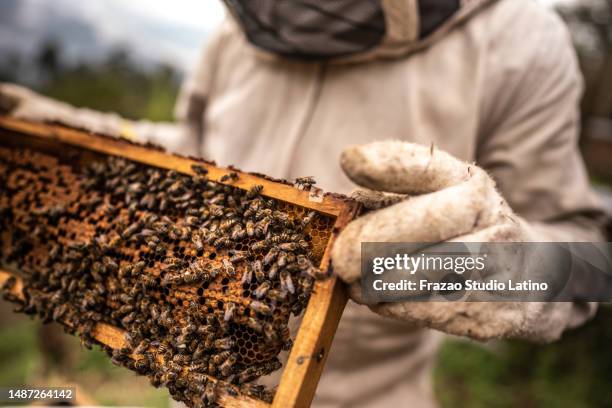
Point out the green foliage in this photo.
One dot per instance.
(23, 363)
(19, 355)
(574, 372)
(114, 84)
(117, 85)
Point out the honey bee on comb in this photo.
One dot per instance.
(201, 277)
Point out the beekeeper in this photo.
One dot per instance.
(372, 93)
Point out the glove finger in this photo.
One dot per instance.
(354, 291)
(477, 320)
(403, 168)
(509, 231)
(435, 217)
(375, 200)
(11, 96)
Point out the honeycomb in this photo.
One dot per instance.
(202, 276)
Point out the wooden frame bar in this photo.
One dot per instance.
(305, 364)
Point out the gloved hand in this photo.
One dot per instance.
(22, 103)
(422, 194)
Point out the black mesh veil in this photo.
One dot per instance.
(311, 29)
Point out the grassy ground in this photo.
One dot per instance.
(574, 372)
(22, 363)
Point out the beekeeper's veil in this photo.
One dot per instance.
(346, 29)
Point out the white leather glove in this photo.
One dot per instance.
(425, 195)
(22, 103)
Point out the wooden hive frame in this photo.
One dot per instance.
(303, 369)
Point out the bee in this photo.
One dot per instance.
(216, 211)
(228, 223)
(281, 218)
(254, 324)
(128, 319)
(229, 310)
(237, 256)
(297, 308)
(248, 374)
(277, 295)
(148, 281)
(54, 252)
(155, 245)
(197, 241)
(206, 235)
(199, 169)
(229, 177)
(269, 333)
(138, 267)
(222, 242)
(286, 283)
(196, 368)
(131, 230)
(306, 285)
(154, 311)
(273, 271)
(238, 233)
(258, 271)
(260, 307)
(205, 329)
(163, 202)
(282, 260)
(261, 245)
(254, 191)
(201, 273)
(288, 246)
(270, 256)
(176, 188)
(308, 219)
(182, 359)
(125, 309)
(189, 328)
(156, 380)
(250, 227)
(141, 366)
(261, 228)
(119, 356)
(232, 389)
(148, 201)
(277, 239)
(218, 358)
(259, 371)
(168, 377)
(253, 390)
(192, 220)
(225, 343)
(165, 318)
(200, 181)
(305, 182)
(179, 233)
(210, 394)
(261, 290)
(262, 213)
(228, 268)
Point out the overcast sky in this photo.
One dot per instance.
(171, 31)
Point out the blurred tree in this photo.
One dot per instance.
(48, 58)
(113, 84)
(590, 22)
(10, 65)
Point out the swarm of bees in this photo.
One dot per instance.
(202, 277)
